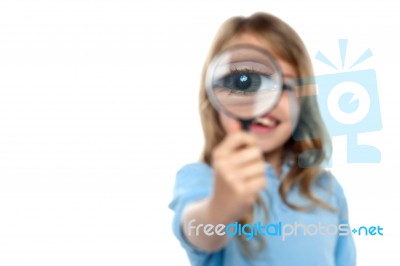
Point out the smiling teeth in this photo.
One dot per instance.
(266, 121)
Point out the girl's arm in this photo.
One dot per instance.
(239, 175)
(195, 217)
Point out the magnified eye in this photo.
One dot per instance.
(241, 82)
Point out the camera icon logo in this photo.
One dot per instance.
(349, 105)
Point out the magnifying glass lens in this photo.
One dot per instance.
(244, 82)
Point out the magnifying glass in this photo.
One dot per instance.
(244, 82)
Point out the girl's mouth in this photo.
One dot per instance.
(264, 124)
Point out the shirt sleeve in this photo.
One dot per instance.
(193, 182)
(345, 253)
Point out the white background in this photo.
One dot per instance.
(98, 110)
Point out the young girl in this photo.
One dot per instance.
(254, 178)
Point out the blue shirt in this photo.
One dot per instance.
(195, 181)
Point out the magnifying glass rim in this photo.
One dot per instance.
(215, 61)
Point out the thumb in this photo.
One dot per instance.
(234, 126)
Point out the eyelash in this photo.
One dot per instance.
(242, 92)
(286, 87)
(236, 70)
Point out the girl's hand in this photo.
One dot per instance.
(239, 172)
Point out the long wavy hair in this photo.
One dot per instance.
(310, 128)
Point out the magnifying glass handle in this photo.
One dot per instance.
(245, 124)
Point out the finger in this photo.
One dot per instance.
(246, 155)
(250, 171)
(235, 141)
(233, 127)
(256, 185)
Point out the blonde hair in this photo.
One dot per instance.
(310, 128)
